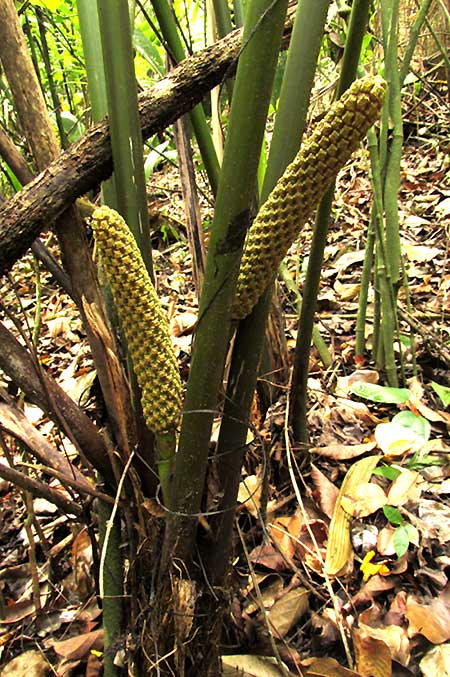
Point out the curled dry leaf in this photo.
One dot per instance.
(359, 375)
(393, 636)
(339, 557)
(246, 665)
(325, 493)
(343, 452)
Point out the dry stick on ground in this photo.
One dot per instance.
(88, 162)
(434, 344)
(42, 390)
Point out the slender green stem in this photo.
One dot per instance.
(50, 78)
(413, 38)
(167, 23)
(364, 288)
(298, 393)
(112, 592)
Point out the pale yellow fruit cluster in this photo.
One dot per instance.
(297, 194)
(142, 319)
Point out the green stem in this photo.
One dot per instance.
(298, 392)
(167, 23)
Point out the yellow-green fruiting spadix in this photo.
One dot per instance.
(299, 190)
(142, 318)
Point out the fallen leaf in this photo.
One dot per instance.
(430, 620)
(326, 667)
(436, 662)
(343, 452)
(246, 665)
(77, 648)
(406, 487)
(373, 657)
(394, 439)
(28, 664)
(364, 500)
(287, 611)
(394, 636)
(325, 492)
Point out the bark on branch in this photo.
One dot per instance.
(88, 162)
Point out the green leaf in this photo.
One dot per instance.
(52, 5)
(377, 393)
(393, 515)
(387, 471)
(149, 51)
(401, 540)
(73, 127)
(442, 392)
(418, 424)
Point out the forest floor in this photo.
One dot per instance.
(335, 565)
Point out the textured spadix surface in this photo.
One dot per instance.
(142, 319)
(295, 197)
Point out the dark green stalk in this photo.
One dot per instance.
(306, 40)
(112, 588)
(169, 30)
(298, 393)
(295, 92)
(223, 17)
(262, 38)
(238, 13)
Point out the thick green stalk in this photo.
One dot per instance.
(293, 105)
(223, 17)
(299, 391)
(384, 322)
(292, 110)
(168, 26)
(126, 136)
(232, 214)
